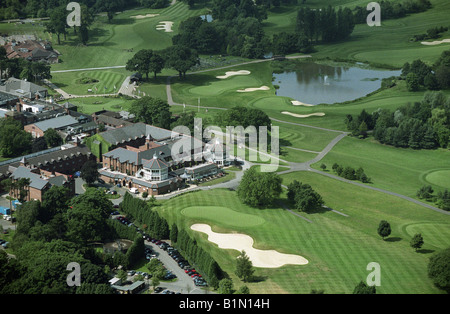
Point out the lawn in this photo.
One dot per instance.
(373, 44)
(337, 247)
(400, 170)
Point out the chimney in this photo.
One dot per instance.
(19, 107)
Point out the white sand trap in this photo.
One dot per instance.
(232, 73)
(253, 89)
(437, 42)
(317, 114)
(165, 26)
(299, 103)
(138, 17)
(242, 242)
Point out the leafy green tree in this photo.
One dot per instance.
(439, 269)
(52, 138)
(14, 141)
(259, 189)
(412, 82)
(89, 172)
(244, 267)
(384, 229)
(181, 58)
(58, 22)
(225, 286)
(153, 111)
(363, 288)
(416, 241)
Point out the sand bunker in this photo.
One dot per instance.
(432, 43)
(299, 103)
(247, 90)
(138, 17)
(317, 114)
(165, 26)
(232, 73)
(242, 242)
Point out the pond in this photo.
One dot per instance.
(313, 83)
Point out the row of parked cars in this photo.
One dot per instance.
(184, 264)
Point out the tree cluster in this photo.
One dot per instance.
(432, 33)
(135, 208)
(242, 116)
(240, 36)
(14, 140)
(439, 269)
(52, 234)
(259, 189)
(422, 125)
(393, 9)
(418, 74)
(197, 256)
(441, 199)
(326, 25)
(304, 197)
(350, 173)
(178, 57)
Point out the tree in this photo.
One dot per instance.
(439, 269)
(152, 111)
(416, 241)
(225, 286)
(181, 58)
(363, 288)
(412, 82)
(259, 189)
(89, 172)
(58, 22)
(14, 141)
(304, 197)
(244, 267)
(52, 138)
(384, 229)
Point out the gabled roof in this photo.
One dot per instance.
(134, 131)
(154, 164)
(35, 180)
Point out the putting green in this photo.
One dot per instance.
(222, 215)
(220, 86)
(440, 177)
(436, 234)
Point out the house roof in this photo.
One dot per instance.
(154, 164)
(135, 131)
(35, 180)
(135, 157)
(56, 123)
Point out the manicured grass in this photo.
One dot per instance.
(107, 80)
(113, 44)
(338, 248)
(222, 215)
(399, 170)
(440, 178)
(388, 44)
(90, 105)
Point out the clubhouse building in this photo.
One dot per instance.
(156, 161)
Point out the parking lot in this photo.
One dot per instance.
(187, 280)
